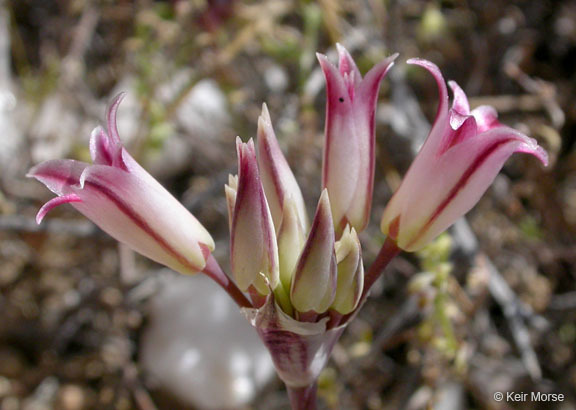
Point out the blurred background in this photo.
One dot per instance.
(85, 323)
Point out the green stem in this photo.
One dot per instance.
(214, 271)
(283, 299)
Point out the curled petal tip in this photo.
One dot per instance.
(420, 61)
(531, 147)
(119, 97)
(113, 107)
(111, 116)
(53, 203)
(542, 155)
(431, 67)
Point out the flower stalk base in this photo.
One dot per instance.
(302, 398)
(215, 272)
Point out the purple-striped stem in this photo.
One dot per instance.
(215, 272)
(388, 251)
(302, 398)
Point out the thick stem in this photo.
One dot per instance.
(302, 398)
(388, 251)
(214, 271)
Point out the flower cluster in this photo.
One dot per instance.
(299, 280)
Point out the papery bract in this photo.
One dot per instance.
(461, 157)
(299, 350)
(348, 166)
(119, 196)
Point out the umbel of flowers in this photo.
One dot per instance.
(298, 280)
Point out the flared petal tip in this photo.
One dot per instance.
(41, 214)
(111, 117)
(528, 145)
(542, 155)
(53, 203)
(117, 99)
(420, 61)
(531, 147)
(430, 66)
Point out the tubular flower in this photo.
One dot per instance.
(459, 160)
(278, 180)
(348, 166)
(314, 281)
(254, 252)
(119, 196)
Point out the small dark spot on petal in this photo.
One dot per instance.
(341, 99)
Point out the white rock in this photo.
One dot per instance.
(200, 347)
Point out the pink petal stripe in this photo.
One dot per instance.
(100, 149)
(252, 239)
(346, 65)
(467, 129)
(479, 160)
(58, 174)
(139, 221)
(53, 203)
(460, 103)
(55, 175)
(486, 117)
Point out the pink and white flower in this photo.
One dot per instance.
(460, 159)
(253, 248)
(125, 201)
(348, 166)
